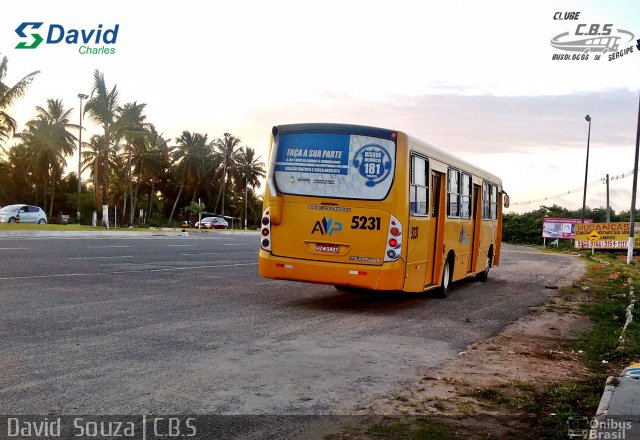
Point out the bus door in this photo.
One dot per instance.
(477, 222)
(436, 228)
(425, 237)
(418, 232)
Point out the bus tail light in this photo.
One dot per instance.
(265, 238)
(394, 240)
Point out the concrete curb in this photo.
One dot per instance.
(605, 400)
(146, 233)
(92, 234)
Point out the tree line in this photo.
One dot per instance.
(131, 164)
(526, 228)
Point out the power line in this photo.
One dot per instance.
(600, 181)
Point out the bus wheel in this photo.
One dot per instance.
(447, 275)
(482, 276)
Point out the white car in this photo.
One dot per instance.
(22, 214)
(212, 223)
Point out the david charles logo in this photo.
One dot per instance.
(57, 34)
(325, 226)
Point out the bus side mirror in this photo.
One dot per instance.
(505, 198)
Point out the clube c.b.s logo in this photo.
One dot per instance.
(588, 39)
(98, 40)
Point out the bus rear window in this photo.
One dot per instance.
(339, 165)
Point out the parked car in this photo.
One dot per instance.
(212, 223)
(22, 214)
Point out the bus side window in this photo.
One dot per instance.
(494, 202)
(419, 191)
(489, 201)
(465, 196)
(453, 193)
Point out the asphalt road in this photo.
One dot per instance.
(185, 325)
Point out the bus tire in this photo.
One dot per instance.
(447, 276)
(484, 275)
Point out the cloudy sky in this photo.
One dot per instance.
(473, 77)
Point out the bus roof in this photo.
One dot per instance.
(431, 151)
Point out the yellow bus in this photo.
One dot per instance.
(363, 207)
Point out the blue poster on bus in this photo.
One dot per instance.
(320, 153)
(335, 165)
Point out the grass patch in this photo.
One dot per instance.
(569, 399)
(420, 428)
(605, 304)
(508, 395)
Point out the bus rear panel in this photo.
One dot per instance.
(337, 210)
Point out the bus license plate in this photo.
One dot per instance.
(328, 248)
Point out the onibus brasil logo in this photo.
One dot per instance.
(57, 34)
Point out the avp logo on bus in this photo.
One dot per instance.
(325, 226)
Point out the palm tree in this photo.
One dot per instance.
(226, 147)
(96, 157)
(8, 95)
(102, 107)
(151, 161)
(191, 157)
(248, 169)
(131, 127)
(49, 142)
(21, 177)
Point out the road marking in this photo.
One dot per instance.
(120, 272)
(99, 258)
(178, 245)
(233, 244)
(114, 246)
(201, 253)
(14, 249)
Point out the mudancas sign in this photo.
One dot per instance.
(604, 235)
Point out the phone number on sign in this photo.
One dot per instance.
(610, 244)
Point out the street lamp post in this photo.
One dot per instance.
(81, 96)
(246, 186)
(224, 170)
(586, 171)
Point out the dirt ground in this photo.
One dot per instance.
(470, 391)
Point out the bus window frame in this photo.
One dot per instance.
(469, 196)
(449, 192)
(412, 185)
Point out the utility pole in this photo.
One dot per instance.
(608, 207)
(631, 243)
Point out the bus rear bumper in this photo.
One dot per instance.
(389, 276)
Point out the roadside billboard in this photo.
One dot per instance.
(605, 235)
(560, 227)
